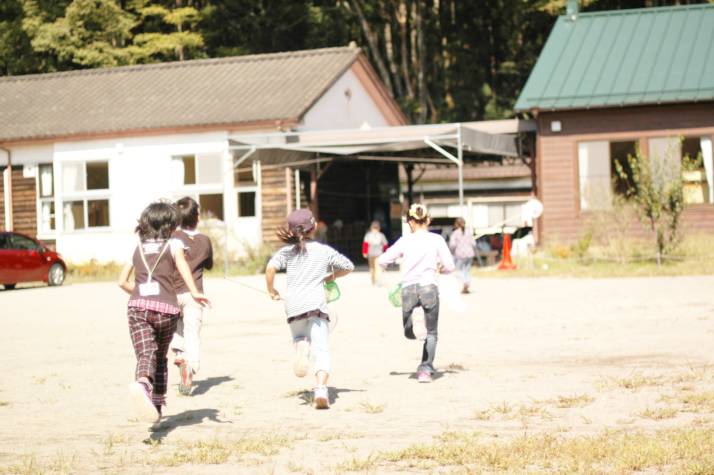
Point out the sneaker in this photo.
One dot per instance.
(302, 358)
(423, 377)
(419, 323)
(186, 379)
(321, 398)
(141, 399)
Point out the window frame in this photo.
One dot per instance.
(42, 200)
(85, 196)
(179, 190)
(254, 188)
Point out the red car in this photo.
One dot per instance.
(23, 259)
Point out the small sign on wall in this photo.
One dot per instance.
(29, 171)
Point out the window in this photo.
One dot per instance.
(619, 159)
(211, 205)
(46, 197)
(23, 243)
(85, 188)
(244, 177)
(246, 204)
(594, 175)
(690, 156)
(199, 169)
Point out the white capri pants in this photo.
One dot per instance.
(315, 330)
(188, 331)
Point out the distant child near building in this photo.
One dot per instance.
(309, 264)
(186, 343)
(373, 245)
(463, 246)
(153, 309)
(423, 255)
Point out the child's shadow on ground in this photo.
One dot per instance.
(333, 394)
(436, 375)
(202, 387)
(186, 418)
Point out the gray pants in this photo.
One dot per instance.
(426, 297)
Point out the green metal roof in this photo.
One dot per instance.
(625, 57)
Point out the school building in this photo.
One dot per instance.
(90, 149)
(608, 83)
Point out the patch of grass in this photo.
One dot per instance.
(685, 451)
(214, 452)
(456, 367)
(638, 381)
(659, 413)
(371, 407)
(338, 436)
(111, 440)
(4, 403)
(30, 465)
(93, 271)
(483, 414)
(697, 402)
(368, 464)
(502, 408)
(575, 400)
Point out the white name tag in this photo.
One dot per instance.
(148, 289)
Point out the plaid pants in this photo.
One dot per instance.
(151, 334)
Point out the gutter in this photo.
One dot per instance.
(7, 190)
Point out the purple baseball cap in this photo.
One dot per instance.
(301, 217)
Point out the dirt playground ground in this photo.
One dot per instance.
(568, 358)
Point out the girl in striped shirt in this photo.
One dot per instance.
(309, 264)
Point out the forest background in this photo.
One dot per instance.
(442, 60)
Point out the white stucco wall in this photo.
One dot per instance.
(346, 105)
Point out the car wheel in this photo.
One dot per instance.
(55, 275)
(9, 286)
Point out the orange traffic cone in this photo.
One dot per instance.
(506, 262)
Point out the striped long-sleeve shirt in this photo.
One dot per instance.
(306, 272)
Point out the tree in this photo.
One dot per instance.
(655, 187)
(92, 33)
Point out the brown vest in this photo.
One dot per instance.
(199, 256)
(163, 274)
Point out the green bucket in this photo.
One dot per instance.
(332, 291)
(395, 295)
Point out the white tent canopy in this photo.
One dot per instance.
(497, 137)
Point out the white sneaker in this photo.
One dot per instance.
(302, 358)
(143, 406)
(419, 323)
(321, 398)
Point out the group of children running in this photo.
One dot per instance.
(167, 306)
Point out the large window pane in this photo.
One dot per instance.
(594, 175)
(209, 169)
(619, 153)
(47, 216)
(97, 175)
(97, 213)
(495, 214)
(73, 177)
(46, 181)
(211, 205)
(73, 215)
(189, 169)
(246, 204)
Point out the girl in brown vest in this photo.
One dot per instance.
(153, 309)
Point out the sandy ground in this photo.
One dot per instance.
(522, 344)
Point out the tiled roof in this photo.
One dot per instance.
(625, 57)
(235, 90)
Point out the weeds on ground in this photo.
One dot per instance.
(634, 382)
(575, 400)
(697, 402)
(4, 403)
(217, 451)
(687, 451)
(371, 407)
(659, 413)
(327, 437)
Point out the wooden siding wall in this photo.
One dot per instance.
(557, 157)
(24, 203)
(275, 196)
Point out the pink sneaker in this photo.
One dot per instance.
(423, 377)
(141, 399)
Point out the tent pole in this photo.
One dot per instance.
(460, 164)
